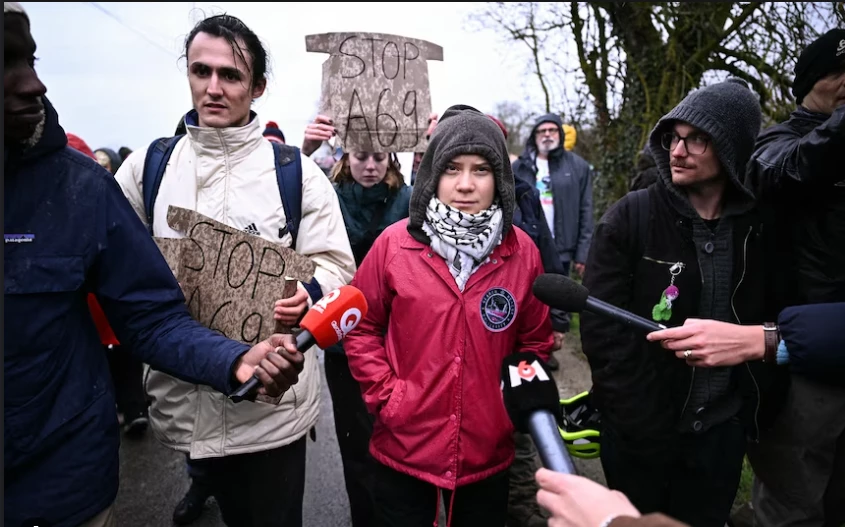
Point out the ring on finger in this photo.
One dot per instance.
(687, 354)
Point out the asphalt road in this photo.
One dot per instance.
(153, 480)
(153, 477)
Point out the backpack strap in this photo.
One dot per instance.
(289, 176)
(638, 216)
(154, 165)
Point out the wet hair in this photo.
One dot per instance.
(234, 31)
(124, 152)
(341, 173)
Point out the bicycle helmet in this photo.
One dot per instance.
(579, 424)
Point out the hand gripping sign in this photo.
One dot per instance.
(375, 88)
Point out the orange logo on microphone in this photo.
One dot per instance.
(335, 315)
(526, 372)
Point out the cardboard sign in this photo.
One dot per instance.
(231, 279)
(375, 88)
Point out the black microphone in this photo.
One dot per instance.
(561, 292)
(532, 401)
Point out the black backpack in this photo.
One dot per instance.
(288, 175)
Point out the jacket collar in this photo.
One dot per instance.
(509, 245)
(235, 142)
(806, 120)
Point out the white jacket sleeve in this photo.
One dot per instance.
(322, 231)
(130, 178)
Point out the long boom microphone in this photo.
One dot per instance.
(561, 292)
(325, 324)
(532, 401)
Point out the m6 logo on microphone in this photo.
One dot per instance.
(526, 372)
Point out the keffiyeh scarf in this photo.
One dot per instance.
(464, 240)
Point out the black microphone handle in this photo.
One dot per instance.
(620, 315)
(304, 340)
(543, 428)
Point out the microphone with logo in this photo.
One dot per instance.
(561, 292)
(325, 324)
(532, 401)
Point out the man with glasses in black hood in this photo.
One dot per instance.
(690, 246)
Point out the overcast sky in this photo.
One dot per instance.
(113, 71)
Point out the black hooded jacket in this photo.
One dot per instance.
(641, 389)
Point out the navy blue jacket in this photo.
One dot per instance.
(528, 215)
(69, 231)
(815, 341)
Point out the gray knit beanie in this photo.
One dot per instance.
(729, 112)
(462, 130)
(14, 7)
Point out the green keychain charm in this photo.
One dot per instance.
(663, 310)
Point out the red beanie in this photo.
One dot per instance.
(75, 142)
(273, 133)
(500, 125)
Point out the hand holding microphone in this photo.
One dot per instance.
(532, 401)
(275, 362)
(325, 324)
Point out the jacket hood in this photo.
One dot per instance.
(462, 130)
(114, 159)
(53, 137)
(530, 151)
(730, 114)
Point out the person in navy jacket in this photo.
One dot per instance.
(68, 231)
(809, 342)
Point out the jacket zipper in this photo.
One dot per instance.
(742, 277)
(226, 174)
(733, 308)
(655, 260)
(689, 392)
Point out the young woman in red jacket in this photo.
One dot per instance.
(449, 295)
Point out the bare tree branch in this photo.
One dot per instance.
(617, 67)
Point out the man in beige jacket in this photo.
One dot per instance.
(225, 169)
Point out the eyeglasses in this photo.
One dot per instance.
(544, 131)
(693, 143)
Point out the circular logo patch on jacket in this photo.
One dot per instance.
(498, 309)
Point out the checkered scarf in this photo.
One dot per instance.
(464, 240)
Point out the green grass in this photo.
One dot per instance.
(743, 493)
(575, 324)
